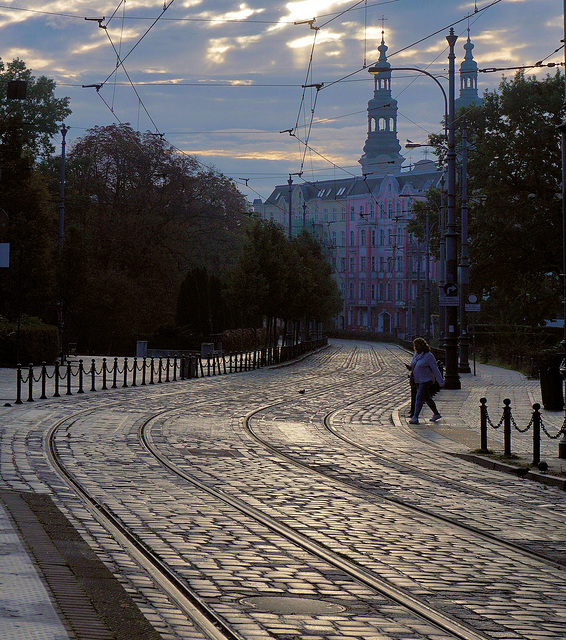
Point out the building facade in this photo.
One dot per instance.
(387, 282)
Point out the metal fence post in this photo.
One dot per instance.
(104, 387)
(115, 374)
(125, 372)
(43, 380)
(93, 375)
(56, 377)
(19, 385)
(536, 433)
(143, 371)
(30, 383)
(69, 375)
(134, 372)
(483, 424)
(81, 371)
(507, 428)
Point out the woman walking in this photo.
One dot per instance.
(425, 372)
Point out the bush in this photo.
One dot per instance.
(33, 342)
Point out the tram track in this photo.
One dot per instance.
(188, 601)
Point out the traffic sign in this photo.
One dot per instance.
(450, 289)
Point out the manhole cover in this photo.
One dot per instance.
(292, 606)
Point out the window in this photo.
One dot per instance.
(362, 289)
(389, 265)
(362, 264)
(352, 264)
(373, 264)
(341, 191)
(363, 237)
(343, 214)
(398, 209)
(380, 291)
(352, 239)
(352, 214)
(399, 295)
(373, 292)
(373, 237)
(388, 293)
(382, 264)
(390, 210)
(343, 238)
(351, 291)
(399, 261)
(343, 264)
(390, 238)
(381, 210)
(334, 238)
(381, 237)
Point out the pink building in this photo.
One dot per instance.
(387, 283)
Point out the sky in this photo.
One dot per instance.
(225, 80)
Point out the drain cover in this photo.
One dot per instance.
(292, 606)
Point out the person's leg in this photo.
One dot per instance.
(419, 400)
(430, 402)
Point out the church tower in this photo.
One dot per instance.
(381, 150)
(468, 79)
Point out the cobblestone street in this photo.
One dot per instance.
(297, 502)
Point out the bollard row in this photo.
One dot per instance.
(144, 371)
(507, 421)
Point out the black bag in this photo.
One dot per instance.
(434, 388)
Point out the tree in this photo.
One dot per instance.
(280, 280)
(139, 215)
(515, 231)
(39, 115)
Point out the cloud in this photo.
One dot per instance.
(219, 47)
(307, 41)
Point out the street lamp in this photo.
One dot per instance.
(452, 379)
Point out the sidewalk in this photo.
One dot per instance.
(459, 429)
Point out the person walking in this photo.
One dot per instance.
(425, 372)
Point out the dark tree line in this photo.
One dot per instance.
(515, 208)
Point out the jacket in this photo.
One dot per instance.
(425, 369)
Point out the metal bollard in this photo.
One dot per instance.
(134, 372)
(93, 375)
(69, 376)
(19, 385)
(30, 383)
(43, 380)
(151, 372)
(115, 374)
(125, 373)
(507, 428)
(167, 370)
(104, 387)
(143, 371)
(56, 378)
(81, 371)
(159, 371)
(483, 424)
(175, 369)
(536, 433)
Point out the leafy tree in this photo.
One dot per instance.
(516, 235)
(280, 280)
(200, 305)
(138, 217)
(39, 115)
(515, 232)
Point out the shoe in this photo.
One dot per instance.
(414, 421)
(436, 417)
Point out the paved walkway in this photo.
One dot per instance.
(26, 606)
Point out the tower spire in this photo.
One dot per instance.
(468, 78)
(381, 150)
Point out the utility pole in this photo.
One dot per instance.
(464, 366)
(562, 129)
(452, 379)
(60, 322)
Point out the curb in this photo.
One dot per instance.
(496, 465)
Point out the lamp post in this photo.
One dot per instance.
(464, 366)
(562, 129)
(452, 379)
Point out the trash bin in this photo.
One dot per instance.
(551, 388)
